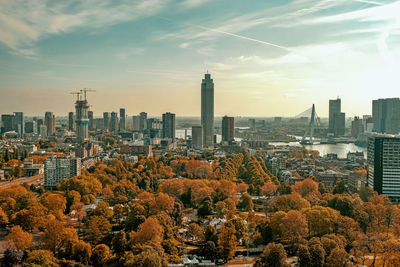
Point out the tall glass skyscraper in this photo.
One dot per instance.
(207, 109)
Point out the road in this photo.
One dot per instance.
(36, 180)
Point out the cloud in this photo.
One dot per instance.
(193, 3)
(23, 23)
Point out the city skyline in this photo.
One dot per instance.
(270, 59)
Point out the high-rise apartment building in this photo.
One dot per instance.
(337, 118)
(383, 159)
(197, 137)
(57, 169)
(228, 128)
(122, 119)
(386, 115)
(50, 122)
(207, 110)
(71, 121)
(106, 120)
(168, 122)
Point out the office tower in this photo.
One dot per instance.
(30, 127)
(386, 115)
(357, 127)
(81, 119)
(339, 124)
(19, 123)
(337, 119)
(106, 120)
(57, 169)
(143, 121)
(49, 121)
(7, 123)
(168, 122)
(383, 159)
(207, 109)
(114, 122)
(91, 122)
(252, 124)
(122, 122)
(71, 121)
(228, 128)
(197, 137)
(136, 123)
(43, 130)
(39, 122)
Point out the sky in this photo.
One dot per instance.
(267, 58)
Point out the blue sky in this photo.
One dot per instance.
(267, 58)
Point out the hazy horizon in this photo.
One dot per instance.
(266, 59)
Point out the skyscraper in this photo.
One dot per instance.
(357, 127)
(386, 115)
(122, 116)
(50, 122)
(383, 159)
(197, 137)
(228, 128)
(106, 120)
(114, 122)
(82, 119)
(70, 121)
(207, 109)
(143, 121)
(19, 122)
(136, 123)
(7, 123)
(336, 118)
(168, 128)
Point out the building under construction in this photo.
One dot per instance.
(82, 116)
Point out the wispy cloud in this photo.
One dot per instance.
(23, 23)
(193, 3)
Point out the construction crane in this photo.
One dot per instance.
(85, 90)
(77, 95)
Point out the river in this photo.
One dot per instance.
(340, 149)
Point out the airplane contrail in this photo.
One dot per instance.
(242, 37)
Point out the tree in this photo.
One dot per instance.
(100, 255)
(304, 257)
(227, 241)
(321, 220)
(40, 258)
(241, 230)
(205, 208)
(209, 250)
(56, 204)
(19, 239)
(119, 242)
(82, 251)
(288, 202)
(30, 218)
(317, 254)
(246, 202)
(97, 228)
(274, 255)
(293, 227)
(149, 231)
(3, 217)
(103, 209)
(12, 257)
(339, 188)
(337, 258)
(210, 234)
(269, 189)
(195, 232)
(144, 256)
